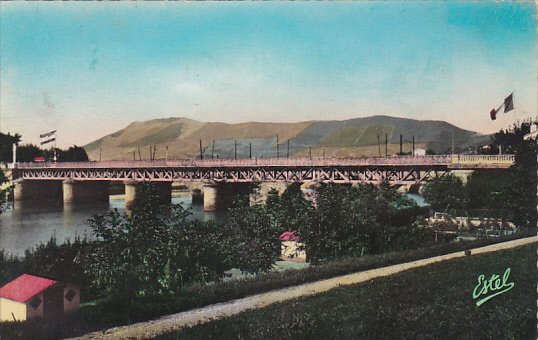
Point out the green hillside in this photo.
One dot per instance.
(178, 137)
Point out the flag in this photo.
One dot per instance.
(509, 103)
(493, 114)
(508, 106)
(48, 137)
(48, 134)
(43, 142)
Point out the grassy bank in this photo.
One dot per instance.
(425, 303)
(105, 314)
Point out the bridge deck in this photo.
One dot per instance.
(451, 161)
(375, 170)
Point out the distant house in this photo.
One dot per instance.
(420, 152)
(30, 297)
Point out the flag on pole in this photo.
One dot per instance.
(508, 106)
(48, 137)
(508, 103)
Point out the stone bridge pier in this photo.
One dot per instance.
(220, 196)
(85, 191)
(132, 191)
(29, 190)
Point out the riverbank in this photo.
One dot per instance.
(433, 302)
(105, 314)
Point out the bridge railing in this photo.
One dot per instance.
(504, 160)
(247, 162)
(482, 159)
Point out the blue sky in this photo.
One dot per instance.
(88, 69)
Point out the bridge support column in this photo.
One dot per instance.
(85, 191)
(197, 196)
(164, 190)
(131, 192)
(210, 197)
(27, 190)
(219, 197)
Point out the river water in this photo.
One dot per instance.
(26, 224)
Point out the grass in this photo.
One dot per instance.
(106, 314)
(358, 135)
(433, 302)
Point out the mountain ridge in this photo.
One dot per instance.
(178, 137)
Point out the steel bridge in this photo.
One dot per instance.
(395, 170)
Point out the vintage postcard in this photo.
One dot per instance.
(268, 170)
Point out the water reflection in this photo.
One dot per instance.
(25, 224)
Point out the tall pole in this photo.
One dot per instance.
(250, 150)
(134, 155)
(201, 151)
(139, 154)
(14, 154)
(323, 152)
(235, 149)
(413, 153)
(310, 151)
(288, 154)
(277, 150)
(378, 145)
(452, 141)
(100, 149)
(213, 149)
(166, 154)
(401, 145)
(386, 145)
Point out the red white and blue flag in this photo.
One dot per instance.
(508, 106)
(48, 137)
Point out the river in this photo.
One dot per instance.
(26, 224)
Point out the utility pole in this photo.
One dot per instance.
(413, 153)
(250, 150)
(139, 154)
(386, 145)
(166, 154)
(378, 145)
(401, 145)
(201, 151)
(288, 154)
(452, 141)
(150, 152)
(310, 151)
(134, 155)
(235, 149)
(323, 152)
(277, 150)
(100, 149)
(213, 149)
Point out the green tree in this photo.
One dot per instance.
(27, 152)
(6, 146)
(74, 154)
(250, 240)
(445, 192)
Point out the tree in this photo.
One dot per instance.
(27, 153)
(74, 154)
(250, 240)
(445, 192)
(6, 146)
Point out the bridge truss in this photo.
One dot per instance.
(375, 170)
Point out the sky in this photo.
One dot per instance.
(89, 69)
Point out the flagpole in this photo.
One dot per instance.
(55, 138)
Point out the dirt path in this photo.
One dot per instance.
(149, 329)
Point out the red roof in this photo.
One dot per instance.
(289, 236)
(25, 287)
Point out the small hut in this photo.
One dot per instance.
(30, 297)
